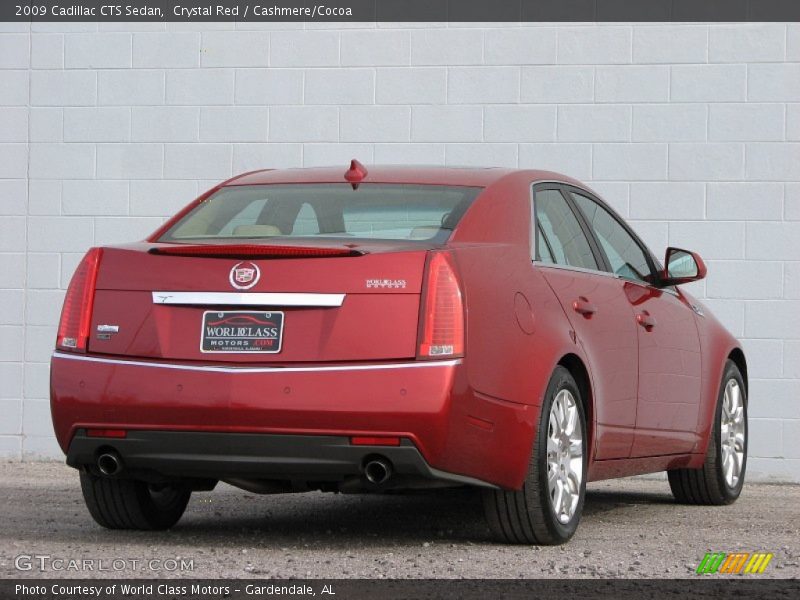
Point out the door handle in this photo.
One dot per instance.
(583, 307)
(646, 320)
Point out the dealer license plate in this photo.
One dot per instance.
(241, 332)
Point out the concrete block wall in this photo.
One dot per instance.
(691, 131)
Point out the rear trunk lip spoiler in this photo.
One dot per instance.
(277, 299)
(276, 369)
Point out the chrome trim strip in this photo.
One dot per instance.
(216, 369)
(546, 265)
(248, 299)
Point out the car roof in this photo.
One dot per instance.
(423, 175)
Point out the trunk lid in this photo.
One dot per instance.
(339, 302)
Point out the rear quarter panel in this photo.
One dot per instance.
(516, 330)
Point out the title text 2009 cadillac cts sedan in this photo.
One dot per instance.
(397, 328)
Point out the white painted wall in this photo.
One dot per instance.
(691, 131)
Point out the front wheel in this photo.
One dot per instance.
(548, 507)
(721, 478)
(131, 504)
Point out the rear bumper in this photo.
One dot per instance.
(231, 456)
(451, 430)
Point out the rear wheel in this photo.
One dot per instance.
(548, 507)
(131, 504)
(721, 478)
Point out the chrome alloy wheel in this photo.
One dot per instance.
(732, 432)
(564, 456)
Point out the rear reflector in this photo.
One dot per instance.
(364, 440)
(107, 433)
(253, 251)
(76, 314)
(442, 318)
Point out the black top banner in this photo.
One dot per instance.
(402, 10)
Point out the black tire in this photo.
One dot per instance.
(131, 504)
(708, 485)
(527, 516)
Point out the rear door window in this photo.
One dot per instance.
(560, 238)
(545, 253)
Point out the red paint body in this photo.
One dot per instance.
(652, 390)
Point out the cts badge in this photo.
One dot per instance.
(244, 275)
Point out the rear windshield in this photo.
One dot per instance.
(373, 211)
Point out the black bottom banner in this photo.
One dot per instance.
(389, 589)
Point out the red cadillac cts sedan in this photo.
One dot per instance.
(397, 328)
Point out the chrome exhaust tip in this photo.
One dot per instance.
(109, 464)
(378, 471)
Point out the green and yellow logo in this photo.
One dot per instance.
(735, 563)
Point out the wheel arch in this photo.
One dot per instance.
(577, 368)
(713, 387)
(737, 356)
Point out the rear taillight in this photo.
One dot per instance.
(441, 332)
(76, 314)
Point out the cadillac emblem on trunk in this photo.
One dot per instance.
(244, 275)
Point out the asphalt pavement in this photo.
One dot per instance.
(631, 528)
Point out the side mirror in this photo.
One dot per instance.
(682, 266)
